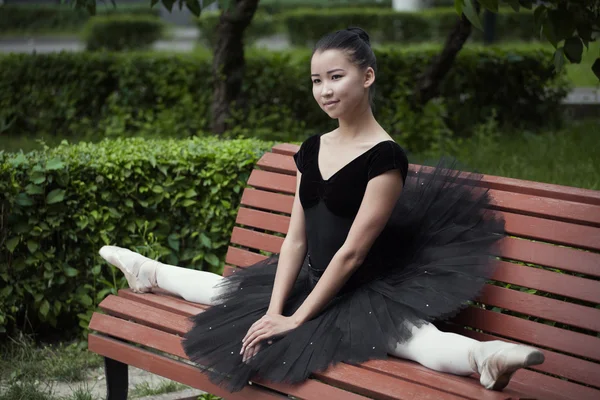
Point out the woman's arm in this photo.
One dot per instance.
(291, 256)
(378, 203)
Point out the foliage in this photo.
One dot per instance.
(118, 33)
(116, 94)
(306, 26)
(171, 200)
(568, 25)
(48, 18)
(279, 6)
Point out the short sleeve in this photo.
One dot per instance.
(303, 155)
(389, 156)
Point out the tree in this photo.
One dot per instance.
(228, 60)
(568, 25)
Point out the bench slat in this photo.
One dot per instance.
(285, 164)
(548, 281)
(551, 256)
(573, 368)
(256, 240)
(559, 364)
(534, 333)
(267, 200)
(542, 307)
(169, 368)
(272, 181)
(552, 209)
(264, 220)
(171, 344)
(347, 377)
(242, 258)
(534, 228)
(518, 249)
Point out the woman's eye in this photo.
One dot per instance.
(315, 81)
(335, 77)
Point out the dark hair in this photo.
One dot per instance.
(355, 43)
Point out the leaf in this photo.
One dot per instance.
(539, 14)
(19, 160)
(190, 193)
(514, 4)
(205, 240)
(37, 177)
(32, 245)
(596, 68)
(71, 272)
(44, 308)
(188, 202)
(23, 199)
(168, 4)
(574, 49)
(471, 14)
(549, 32)
(458, 5)
(559, 59)
(86, 300)
(153, 3)
(157, 189)
(491, 5)
(173, 241)
(212, 259)
(194, 7)
(6, 291)
(54, 164)
(34, 189)
(55, 196)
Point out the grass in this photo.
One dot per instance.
(581, 74)
(566, 157)
(22, 360)
(145, 389)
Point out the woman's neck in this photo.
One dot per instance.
(358, 124)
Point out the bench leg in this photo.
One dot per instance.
(117, 379)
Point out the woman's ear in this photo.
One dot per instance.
(369, 77)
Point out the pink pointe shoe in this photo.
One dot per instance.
(130, 264)
(497, 369)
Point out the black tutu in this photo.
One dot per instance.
(433, 258)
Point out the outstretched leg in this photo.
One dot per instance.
(143, 274)
(496, 361)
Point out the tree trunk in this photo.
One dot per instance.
(429, 81)
(228, 62)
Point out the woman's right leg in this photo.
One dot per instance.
(143, 274)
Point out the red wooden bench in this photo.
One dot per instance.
(552, 303)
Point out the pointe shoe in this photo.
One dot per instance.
(498, 368)
(129, 263)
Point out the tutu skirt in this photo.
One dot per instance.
(435, 258)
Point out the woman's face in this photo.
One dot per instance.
(339, 86)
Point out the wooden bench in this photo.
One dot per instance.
(549, 299)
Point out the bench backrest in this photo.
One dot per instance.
(546, 291)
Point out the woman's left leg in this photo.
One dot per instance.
(495, 361)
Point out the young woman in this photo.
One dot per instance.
(369, 262)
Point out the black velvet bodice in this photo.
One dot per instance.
(330, 205)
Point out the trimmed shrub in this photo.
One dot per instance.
(47, 18)
(306, 26)
(112, 94)
(118, 33)
(172, 199)
(279, 6)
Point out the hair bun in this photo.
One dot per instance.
(361, 34)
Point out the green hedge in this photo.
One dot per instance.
(124, 32)
(115, 94)
(176, 199)
(279, 6)
(305, 26)
(47, 18)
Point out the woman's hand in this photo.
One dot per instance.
(270, 325)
